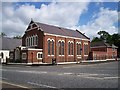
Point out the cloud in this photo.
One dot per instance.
(16, 17)
(104, 20)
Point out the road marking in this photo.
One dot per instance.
(76, 66)
(14, 85)
(67, 73)
(41, 85)
(97, 77)
(111, 77)
(35, 72)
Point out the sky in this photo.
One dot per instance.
(88, 17)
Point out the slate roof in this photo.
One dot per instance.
(61, 31)
(9, 43)
(102, 44)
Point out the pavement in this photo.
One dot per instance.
(64, 63)
(98, 75)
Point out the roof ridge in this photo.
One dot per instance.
(53, 29)
(55, 26)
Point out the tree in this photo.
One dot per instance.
(103, 35)
(111, 39)
(17, 37)
(116, 41)
(2, 34)
(96, 39)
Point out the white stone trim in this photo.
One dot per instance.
(71, 55)
(66, 63)
(85, 43)
(32, 28)
(79, 57)
(51, 55)
(60, 40)
(78, 42)
(32, 49)
(66, 36)
(62, 55)
(85, 55)
(48, 39)
(51, 39)
(71, 41)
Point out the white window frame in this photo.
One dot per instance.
(32, 40)
(25, 56)
(10, 55)
(36, 39)
(85, 43)
(38, 54)
(51, 39)
(70, 47)
(79, 43)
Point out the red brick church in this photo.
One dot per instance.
(41, 43)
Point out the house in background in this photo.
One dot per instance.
(101, 50)
(41, 43)
(6, 45)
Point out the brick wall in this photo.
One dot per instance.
(66, 57)
(102, 53)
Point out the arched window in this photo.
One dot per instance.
(29, 41)
(52, 47)
(59, 47)
(69, 48)
(62, 48)
(48, 47)
(36, 40)
(26, 41)
(85, 49)
(79, 49)
(33, 40)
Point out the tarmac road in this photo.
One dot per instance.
(99, 75)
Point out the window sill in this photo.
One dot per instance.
(62, 55)
(39, 58)
(70, 55)
(51, 55)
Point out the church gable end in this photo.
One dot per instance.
(32, 25)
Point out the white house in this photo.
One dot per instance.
(7, 44)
